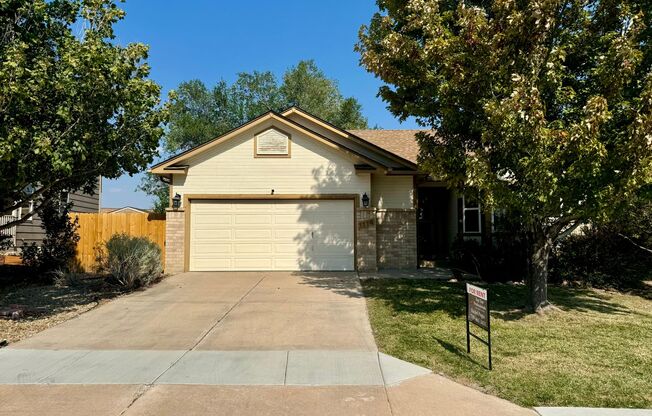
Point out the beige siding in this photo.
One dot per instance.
(349, 142)
(231, 168)
(392, 191)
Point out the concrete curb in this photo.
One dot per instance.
(590, 411)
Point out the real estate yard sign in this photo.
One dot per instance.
(477, 312)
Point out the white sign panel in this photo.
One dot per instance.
(478, 292)
(272, 143)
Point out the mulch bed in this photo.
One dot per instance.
(26, 309)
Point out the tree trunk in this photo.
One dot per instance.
(540, 247)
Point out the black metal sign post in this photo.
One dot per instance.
(477, 312)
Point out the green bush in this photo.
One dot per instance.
(5, 242)
(600, 257)
(63, 278)
(59, 247)
(612, 253)
(501, 261)
(133, 261)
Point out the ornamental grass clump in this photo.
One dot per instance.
(133, 261)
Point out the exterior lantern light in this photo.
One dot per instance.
(365, 200)
(176, 201)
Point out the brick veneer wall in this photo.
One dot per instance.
(386, 239)
(396, 238)
(366, 239)
(174, 239)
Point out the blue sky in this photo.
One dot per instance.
(213, 40)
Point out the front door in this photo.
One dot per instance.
(433, 222)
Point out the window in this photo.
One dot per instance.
(21, 211)
(471, 214)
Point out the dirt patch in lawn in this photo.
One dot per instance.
(44, 306)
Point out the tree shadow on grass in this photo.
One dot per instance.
(506, 300)
(643, 290)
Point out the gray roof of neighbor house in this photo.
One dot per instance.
(402, 143)
(124, 209)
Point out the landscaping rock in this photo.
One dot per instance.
(12, 312)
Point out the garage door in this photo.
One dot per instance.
(271, 235)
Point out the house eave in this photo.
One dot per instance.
(348, 135)
(171, 165)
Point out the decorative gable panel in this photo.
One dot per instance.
(272, 143)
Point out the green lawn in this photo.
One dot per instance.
(596, 350)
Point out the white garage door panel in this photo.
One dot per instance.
(207, 250)
(271, 235)
(244, 234)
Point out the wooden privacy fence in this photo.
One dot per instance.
(97, 228)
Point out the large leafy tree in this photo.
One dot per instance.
(306, 86)
(73, 104)
(542, 107)
(199, 113)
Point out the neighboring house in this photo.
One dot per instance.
(289, 191)
(125, 210)
(31, 231)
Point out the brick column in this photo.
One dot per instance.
(366, 239)
(174, 240)
(396, 241)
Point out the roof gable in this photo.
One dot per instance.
(376, 154)
(172, 165)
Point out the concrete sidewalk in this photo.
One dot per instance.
(262, 368)
(429, 395)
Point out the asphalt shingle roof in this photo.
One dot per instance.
(400, 142)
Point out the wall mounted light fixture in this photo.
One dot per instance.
(365, 200)
(176, 201)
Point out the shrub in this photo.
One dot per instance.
(63, 278)
(58, 249)
(5, 243)
(503, 260)
(613, 253)
(133, 261)
(601, 257)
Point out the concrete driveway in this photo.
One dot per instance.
(240, 343)
(225, 311)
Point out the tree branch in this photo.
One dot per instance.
(568, 231)
(24, 217)
(95, 171)
(635, 244)
(31, 197)
(556, 229)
